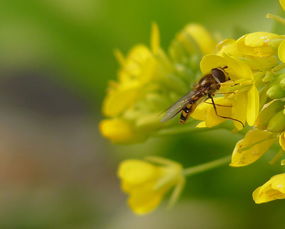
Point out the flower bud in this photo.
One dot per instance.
(275, 92)
(267, 112)
(277, 123)
(282, 82)
(268, 77)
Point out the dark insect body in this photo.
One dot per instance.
(203, 90)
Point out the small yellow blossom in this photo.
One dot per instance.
(147, 182)
(255, 143)
(133, 103)
(258, 50)
(149, 81)
(273, 189)
(259, 44)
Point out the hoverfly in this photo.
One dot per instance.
(203, 90)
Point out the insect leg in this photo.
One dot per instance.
(215, 108)
(224, 93)
(218, 105)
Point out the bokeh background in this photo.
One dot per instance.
(56, 171)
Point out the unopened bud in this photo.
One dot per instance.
(275, 92)
(277, 123)
(267, 113)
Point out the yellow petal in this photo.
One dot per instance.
(236, 69)
(282, 3)
(137, 171)
(135, 63)
(252, 105)
(282, 140)
(118, 130)
(255, 143)
(201, 125)
(200, 113)
(228, 47)
(144, 201)
(239, 109)
(272, 190)
(119, 100)
(257, 44)
(258, 39)
(261, 63)
(206, 112)
(281, 51)
(223, 109)
(202, 37)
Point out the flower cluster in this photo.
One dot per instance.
(253, 98)
(149, 80)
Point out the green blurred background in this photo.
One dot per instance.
(56, 171)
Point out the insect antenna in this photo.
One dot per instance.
(215, 108)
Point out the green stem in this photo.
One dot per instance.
(206, 166)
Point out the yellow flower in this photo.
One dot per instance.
(149, 81)
(255, 143)
(240, 90)
(146, 83)
(273, 189)
(258, 50)
(147, 182)
(259, 44)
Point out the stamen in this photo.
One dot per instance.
(276, 18)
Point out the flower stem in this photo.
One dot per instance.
(207, 166)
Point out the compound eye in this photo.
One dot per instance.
(219, 75)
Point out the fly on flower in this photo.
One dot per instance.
(205, 89)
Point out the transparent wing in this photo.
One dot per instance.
(177, 107)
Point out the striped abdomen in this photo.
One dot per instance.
(185, 112)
